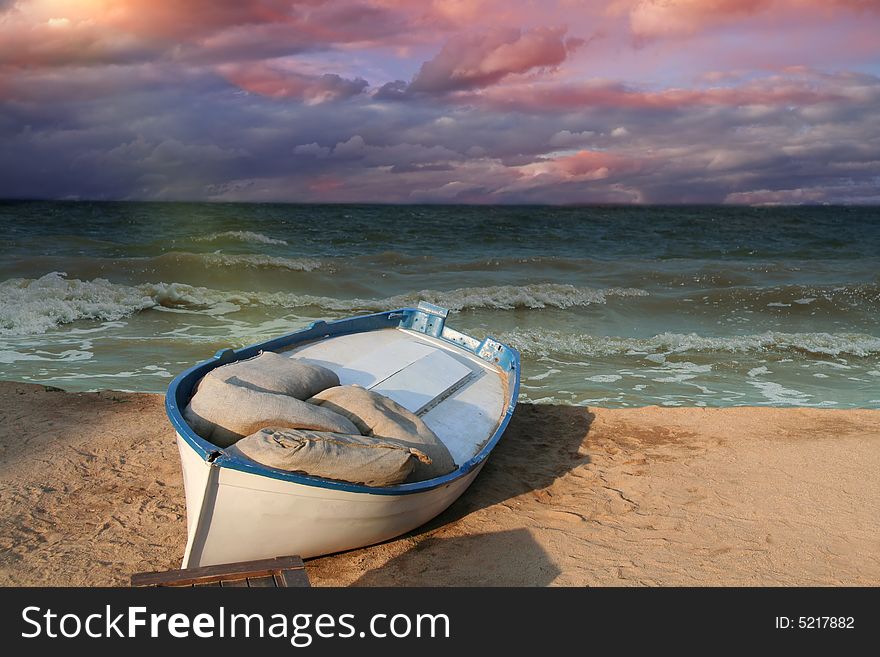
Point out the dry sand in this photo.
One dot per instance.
(90, 492)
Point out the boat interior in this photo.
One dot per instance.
(460, 396)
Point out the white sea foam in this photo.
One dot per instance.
(604, 378)
(34, 306)
(502, 297)
(541, 377)
(676, 378)
(127, 374)
(181, 261)
(254, 261)
(241, 236)
(776, 393)
(12, 356)
(836, 366)
(687, 366)
(29, 306)
(540, 342)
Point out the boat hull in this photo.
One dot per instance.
(465, 389)
(244, 516)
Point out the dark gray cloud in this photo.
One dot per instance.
(255, 101)
(206, 139)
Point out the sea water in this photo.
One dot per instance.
(611, 306)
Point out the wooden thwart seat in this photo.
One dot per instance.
(281, 572)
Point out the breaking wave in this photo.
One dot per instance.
(502, 297)
(253, 261)
(32, 306)
(241, 236)
(228, 260)
(545, 343)
(507, 297)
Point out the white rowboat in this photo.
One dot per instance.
(463, 388)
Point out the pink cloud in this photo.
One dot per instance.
(667, 18)
(325, 184)
(476, 61)
(193, 18)
(62, 41)
(542, 97)
(47, 33)
(53, 33)
(265, 80)
(653, 18)
(587, 165)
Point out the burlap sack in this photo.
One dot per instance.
(270, 372)
(356, 459)
(223, 413)
(376, 415)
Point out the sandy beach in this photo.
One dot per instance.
(91, 492)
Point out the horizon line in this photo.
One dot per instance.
(841, 204)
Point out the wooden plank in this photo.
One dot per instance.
(337, 351)
(419, 384)
(294, 578)
(379, 364)
(216, 583)
(261, 582)
(234, 583)
(364, 358)
(469, 416)
(190, 576)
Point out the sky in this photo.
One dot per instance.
(442, 101)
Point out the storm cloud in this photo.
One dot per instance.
(483, 102)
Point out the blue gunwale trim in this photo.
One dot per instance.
(180, 391)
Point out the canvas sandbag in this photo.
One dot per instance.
(271, 372)
(223, 413)
(376, 415)
(345, 457)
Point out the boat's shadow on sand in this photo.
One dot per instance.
(502, 558)
(541, 444)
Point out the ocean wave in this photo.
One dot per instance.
(33, 306)
(256, 261)
(546, 343)
(248, 261)
(509, 297)
(29, 306)
(172, 264)
(394, 259)
(505, 263)
(241, 236)
(796, 298)
(502, 297)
